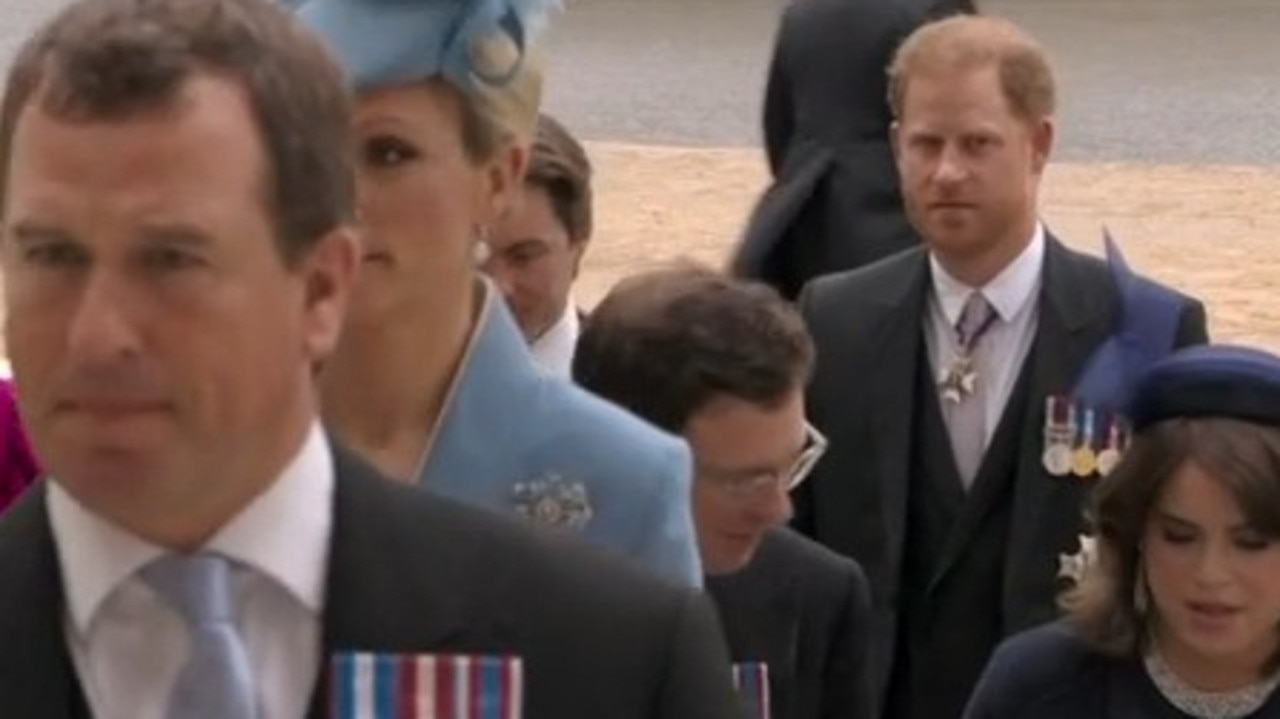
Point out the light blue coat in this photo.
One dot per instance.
(516, 439)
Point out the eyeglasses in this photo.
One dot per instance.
(742, 487)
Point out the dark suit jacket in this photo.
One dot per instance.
(410, 572)
(803, 610)
(834, 203)
(1050, 673)
(867, 325)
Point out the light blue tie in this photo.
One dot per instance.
(216, 682)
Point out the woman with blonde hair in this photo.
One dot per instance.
(433, 381)
(1176, 612)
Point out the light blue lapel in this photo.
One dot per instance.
(485, 432)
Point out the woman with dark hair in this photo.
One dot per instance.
(1176, 608)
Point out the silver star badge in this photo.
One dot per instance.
(1074, 566)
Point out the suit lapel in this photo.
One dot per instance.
(896, 340)
(1076, 313)
(370, 604)
(36, 669)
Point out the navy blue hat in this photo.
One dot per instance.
(392, 42)
(1210, 381)
(1146, 332)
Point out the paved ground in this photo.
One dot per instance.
(1154, 80)
(1194, 81)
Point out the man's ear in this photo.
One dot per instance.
(329, 273)
(1043, 132)
(505, 181)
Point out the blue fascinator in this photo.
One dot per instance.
(1146, 333)
(391, 42)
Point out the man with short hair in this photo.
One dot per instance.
(724, 363)
(834, 202)
(537, 249)
(176, 195)
(947, 376)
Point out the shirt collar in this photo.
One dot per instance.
(283, 534)
(554, 348)
(1008, 292)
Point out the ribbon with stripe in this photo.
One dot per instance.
(366, 685)
(751, 679)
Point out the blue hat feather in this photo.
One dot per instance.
(383, 43)
(1146, 332)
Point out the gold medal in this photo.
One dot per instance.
(1083, 461)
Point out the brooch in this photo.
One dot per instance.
(553, 502)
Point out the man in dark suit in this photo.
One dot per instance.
(723, 363)
(945, 374)
(178, 258)
(834, 203)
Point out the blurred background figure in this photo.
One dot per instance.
(537, 248)
(834, 203)
(432, 380)
(724, 363)
(1177, 608)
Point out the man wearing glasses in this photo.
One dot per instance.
(724, 363)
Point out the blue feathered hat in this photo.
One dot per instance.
(383, 43)
(1146, 332)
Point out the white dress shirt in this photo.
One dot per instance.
(1000, 353)
(129, 646)
(553, 350)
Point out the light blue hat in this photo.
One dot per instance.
(391, 42)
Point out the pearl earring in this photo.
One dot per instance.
(480, 250)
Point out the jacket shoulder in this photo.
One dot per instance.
(1091, 270)
(862, 284)
(489, 553)
(833, 584)
(844, 16)
(1048, 666)
(592, 427)
(790, 548)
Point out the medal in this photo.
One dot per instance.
(1110, 456)
(442, 686)
(1058, 460)
(1059, 434)
(1084, 462)
(751, 679)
